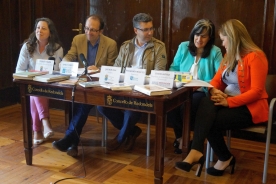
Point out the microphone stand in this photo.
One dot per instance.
(86, 73)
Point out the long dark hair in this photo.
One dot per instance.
(200, 26)
(53, 40)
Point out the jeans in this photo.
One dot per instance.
(123, 120)
(79, 117)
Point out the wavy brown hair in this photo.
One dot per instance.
(53, 40)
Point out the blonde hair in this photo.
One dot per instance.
(239, 42)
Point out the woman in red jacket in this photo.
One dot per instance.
(237, 100)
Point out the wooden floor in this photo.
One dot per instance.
(50, 165)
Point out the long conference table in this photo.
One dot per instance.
(131, 100)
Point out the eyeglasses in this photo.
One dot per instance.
(146, 30)
(90, 30)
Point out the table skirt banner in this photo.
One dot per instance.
(127, 102)
(45, 91)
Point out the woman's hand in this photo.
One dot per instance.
(219, 97)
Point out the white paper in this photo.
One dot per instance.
(44, 65)
(109, 74)
(162, 78)
(69, 68)
(197, 83)
(135, 76)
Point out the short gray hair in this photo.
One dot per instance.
(141, 17)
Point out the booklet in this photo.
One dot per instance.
(152, 90)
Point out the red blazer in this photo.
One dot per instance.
(252, 74)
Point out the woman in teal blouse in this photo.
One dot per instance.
(201, 58)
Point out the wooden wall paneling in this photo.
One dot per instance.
(9, 35)
(66, 15)
(269, 35)
(187, 12)
(118, 16)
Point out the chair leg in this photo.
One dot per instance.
(268, 136)
(148, 137)
(208, 150)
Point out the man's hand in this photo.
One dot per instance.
(92, 67)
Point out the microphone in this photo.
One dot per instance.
(52, 58)
(84, 61)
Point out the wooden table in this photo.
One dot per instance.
(131, 100)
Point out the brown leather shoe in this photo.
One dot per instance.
(113, 144)
(131, 139)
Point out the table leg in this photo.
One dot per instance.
(27, 129)
(186, 126)
(160, 128)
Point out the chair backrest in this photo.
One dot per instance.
(271, 91)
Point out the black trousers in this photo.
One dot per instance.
(175, 116)
(211, 121)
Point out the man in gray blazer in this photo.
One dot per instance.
(99, 50)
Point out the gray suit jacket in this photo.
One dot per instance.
(106, 54)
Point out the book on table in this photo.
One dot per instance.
(89, 84)
(28, 75)
(118, 86)
(51, 78)
(152, 90)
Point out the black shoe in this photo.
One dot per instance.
(72, 151)
(177, 151)
(113, 144)
(184, 166)
(215, 172)
(132, 138)
(176, 143)
(62, 144)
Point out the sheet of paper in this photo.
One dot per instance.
(44, 65)
(135, 76)
(162, 78)
(197, 83)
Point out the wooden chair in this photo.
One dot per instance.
(270, 88)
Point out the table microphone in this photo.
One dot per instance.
(84, 61)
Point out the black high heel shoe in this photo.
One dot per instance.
(184, 166)
(215, 172)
